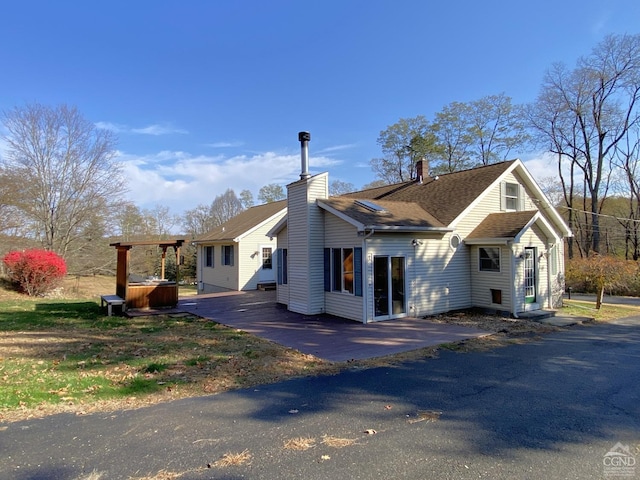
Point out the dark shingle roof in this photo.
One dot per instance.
(394, 214)
(444, 197)
(243, 222)
(502, 225)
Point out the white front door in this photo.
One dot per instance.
(530, 281)
(266, 271)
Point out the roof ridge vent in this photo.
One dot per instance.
(371, 206)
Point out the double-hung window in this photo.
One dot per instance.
(512, 197)
(227, 255)
(208, 256)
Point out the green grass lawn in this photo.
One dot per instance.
(606, 313)
(70, 353)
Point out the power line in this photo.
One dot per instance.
(624, 219)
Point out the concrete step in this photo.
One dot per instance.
(537, 315)
(565, 321)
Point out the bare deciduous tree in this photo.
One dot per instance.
(586, 113)
(67, 171)
(338, 187)
(224, 207)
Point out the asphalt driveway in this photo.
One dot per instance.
(560, 408)
(324, 336)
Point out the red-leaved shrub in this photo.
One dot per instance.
(35, 272)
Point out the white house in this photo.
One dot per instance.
(485, 237)
(237, 255)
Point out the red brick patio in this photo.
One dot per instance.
(324, 336)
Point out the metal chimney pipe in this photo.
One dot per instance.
(304, 138)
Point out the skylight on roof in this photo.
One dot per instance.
(369, 205)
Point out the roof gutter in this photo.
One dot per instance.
(402, 228)
(488, 241)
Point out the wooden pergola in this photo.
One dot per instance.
(151, 293)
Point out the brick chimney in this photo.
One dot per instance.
(422, 169)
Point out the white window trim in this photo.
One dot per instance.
(480, 269)
(518, 197)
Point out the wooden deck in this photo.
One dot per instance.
(324, 336)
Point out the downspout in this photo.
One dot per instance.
(514, 312)
(200, 256)
(365, 285)
(547, 255)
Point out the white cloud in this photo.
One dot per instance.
(154, 129)
(338, 148)
(158, 129)
(542, 166)
(225, 144)
(114, 127)
(181, 181)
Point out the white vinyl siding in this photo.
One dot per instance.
(222, 277)
(437, 276)
(492, 202)
(243, 275)
(483, 282)
(305, 225)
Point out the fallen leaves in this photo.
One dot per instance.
(425, 415)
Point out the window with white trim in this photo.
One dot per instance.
(343, 270)
(267, 262)
(208, 256)
(489, 259)
(511, 196)
(227, 255)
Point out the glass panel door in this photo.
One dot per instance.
(389, 286)
(529, 275)
(380, 286)
(397, 286)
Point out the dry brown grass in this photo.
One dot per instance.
(336, 442)
(300, 443)
(200, 357)
(233, 459)
(161, 475)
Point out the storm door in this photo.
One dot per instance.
(389, 287)
(265, 258)
(530, 275)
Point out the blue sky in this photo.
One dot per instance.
(210, 95)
